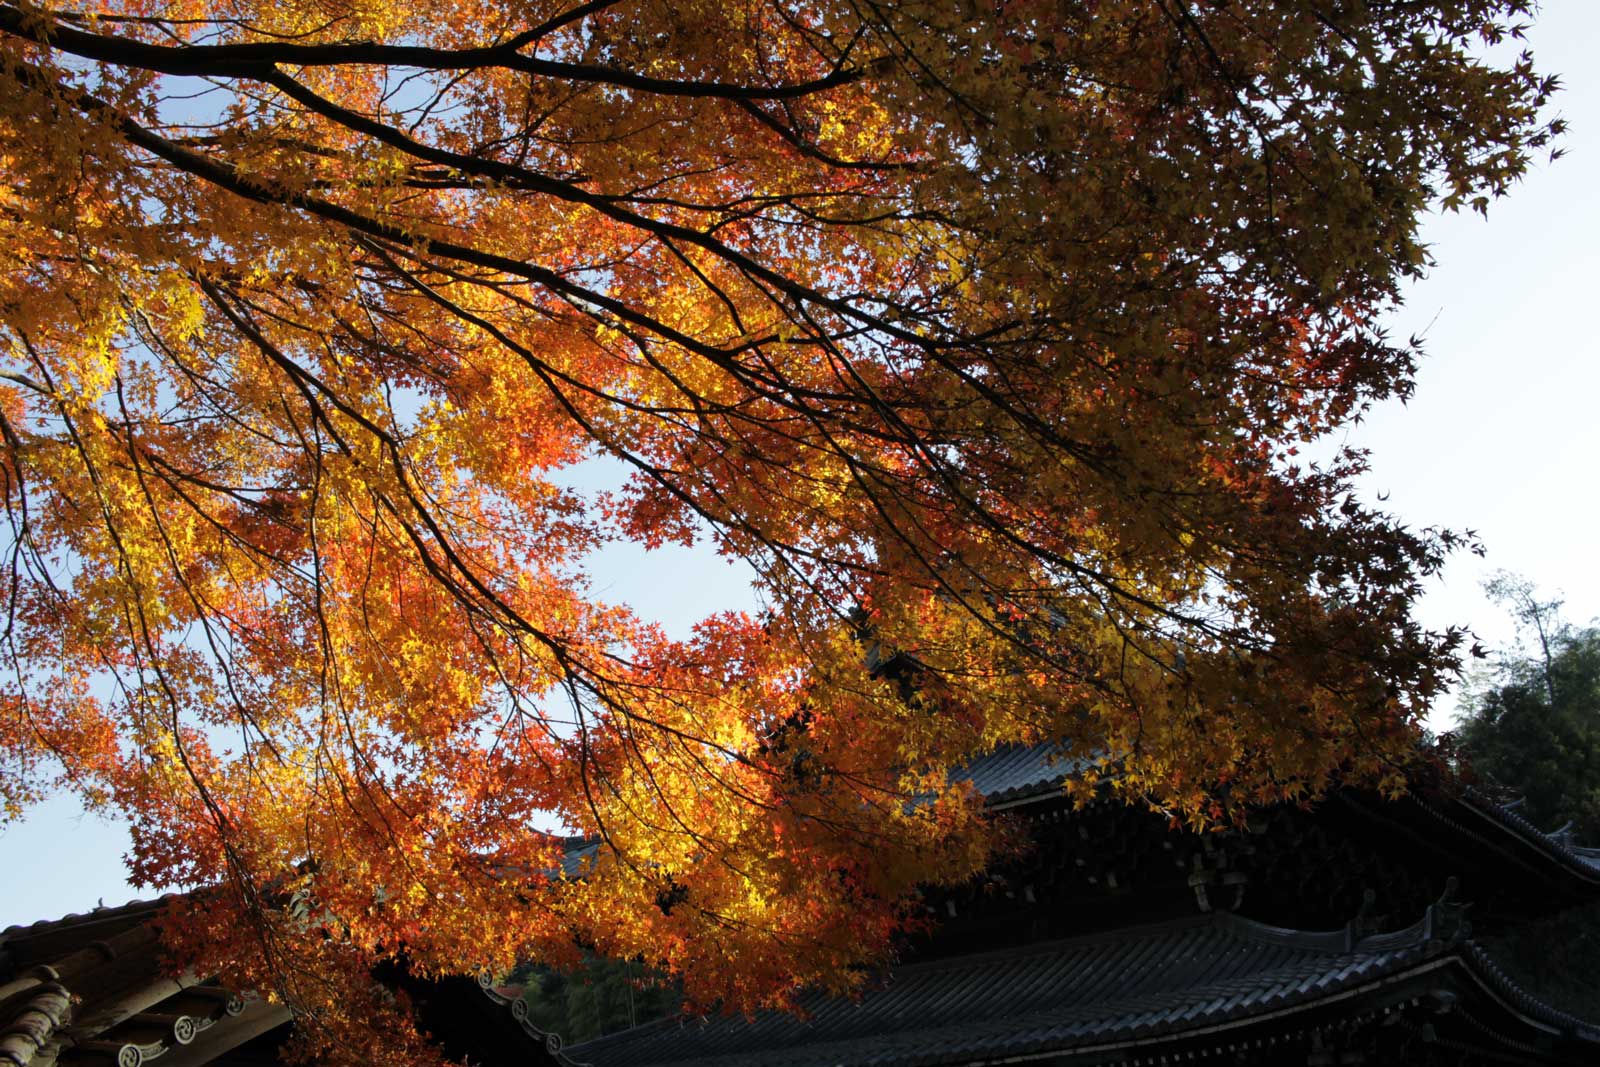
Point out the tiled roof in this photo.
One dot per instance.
(579, 851)
(1560, 844)
(1207, 972)
(89, 987)
(1015, 772)
(133, 909)
(1589, 857)
(1008, 775)
(1213, 971)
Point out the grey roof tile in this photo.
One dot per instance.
(1012, 772)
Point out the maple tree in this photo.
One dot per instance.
(987, 333)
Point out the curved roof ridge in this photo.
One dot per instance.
(1336, 941)
(1488, 970)
(1435, 924)
(101, 913)
(1582, 860)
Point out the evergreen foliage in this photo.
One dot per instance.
(1533, 723)
(599, 998)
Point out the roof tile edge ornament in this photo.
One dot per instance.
(45, 1012)
(181, 1029)
(518, 1008)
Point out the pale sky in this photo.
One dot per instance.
(1503, 433)
(1501, 437)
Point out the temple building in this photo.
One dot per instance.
(87, 991)
(1358, 932)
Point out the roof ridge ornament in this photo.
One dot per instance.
(1446, 918)
(1223, 850)
(1364, 923)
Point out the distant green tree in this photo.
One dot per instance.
(1532, 727)
(1553, 958)
(599, 998)
(1532, 724)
